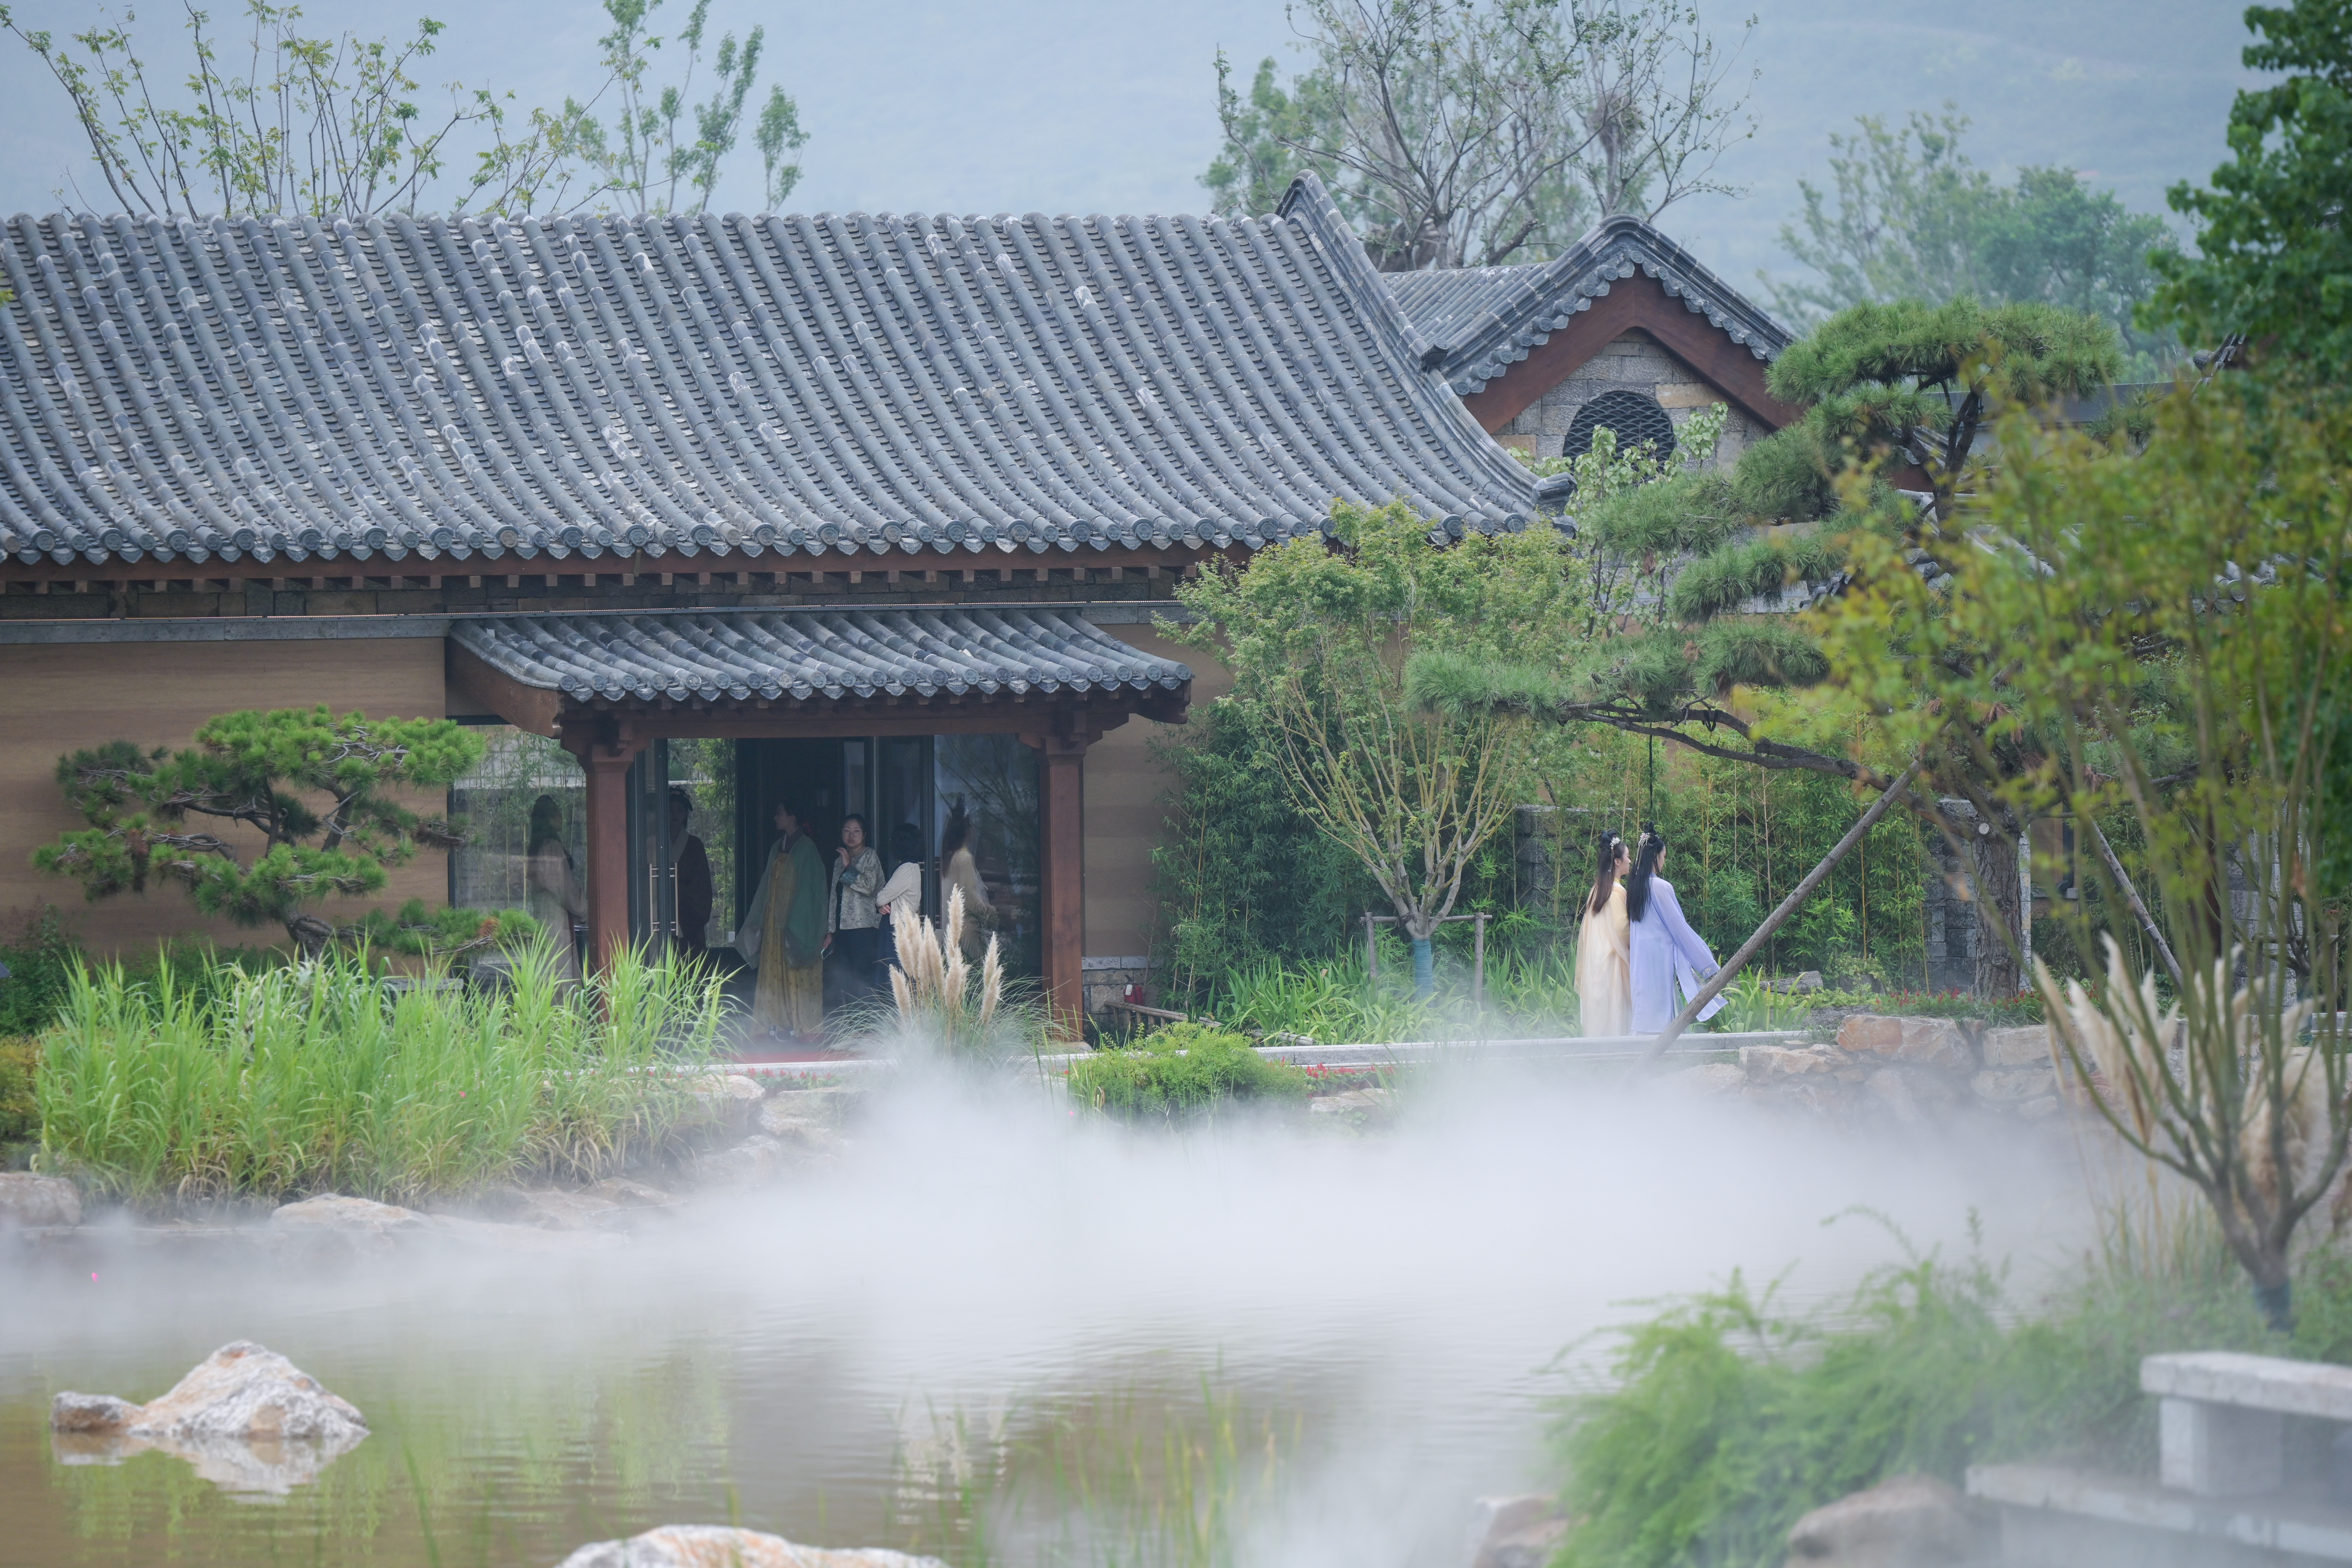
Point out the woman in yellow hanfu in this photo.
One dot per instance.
(782, 936)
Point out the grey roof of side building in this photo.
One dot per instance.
(458, 388)
(741, 655)
(1482, 321)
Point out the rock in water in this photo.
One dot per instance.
(1516, 1532)
(246, 1418)
(30, 1200)
(718, 1546)
(1910, 1521)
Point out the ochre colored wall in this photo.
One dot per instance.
(1123, 787)
(57, 696)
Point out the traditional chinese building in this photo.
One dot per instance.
(872, 514)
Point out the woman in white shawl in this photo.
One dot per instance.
(1603, 957)
(1670, 959)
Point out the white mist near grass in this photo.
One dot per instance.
(1398, 1305)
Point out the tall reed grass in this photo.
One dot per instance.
(321, 1078)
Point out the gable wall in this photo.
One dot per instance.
(1635, 361)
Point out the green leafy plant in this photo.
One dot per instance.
(1181, 1073)
(319, 1077)
(1726, 1416)
(442, 934)
(253, 770)
(20, 1109)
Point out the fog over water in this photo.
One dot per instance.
(830, 1358)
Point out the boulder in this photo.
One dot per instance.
(628, 1194)
(1770, 1066)
(2026, 1047)
(354, 1217)
(550, 1208)
(37, 1201)
(1514, 1531)
(246, 1418)
(2007, 1086)
(1910, 1521)
(756, 1159)
(832, 1105)
(1708, 1080)
(1914, 1042)
(720, 1546)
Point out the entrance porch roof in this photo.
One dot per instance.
(956, 666)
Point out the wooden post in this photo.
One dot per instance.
(606, 762)
(1371, 947)
(1063, 881)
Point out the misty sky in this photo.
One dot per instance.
(1056, 106)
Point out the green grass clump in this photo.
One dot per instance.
(292, 1080)
(1726, 1420)
(1181, 1072)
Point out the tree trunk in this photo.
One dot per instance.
(1997, 900)
(310, 935)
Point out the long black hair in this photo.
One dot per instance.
(1604, 874)
(1645, 866)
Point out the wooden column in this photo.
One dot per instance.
(606, 762)
(1063, 878)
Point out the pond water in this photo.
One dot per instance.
(1002, 1336)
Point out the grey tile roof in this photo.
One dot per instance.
(590, 387)
(714, 656)
(1482, 321)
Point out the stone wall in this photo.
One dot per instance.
(1634, 363)
(1909, 1072)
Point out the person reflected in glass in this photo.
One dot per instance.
(904, 886)
(1603, 948)
(782, 938)
(958, 869)
(856, 922)
(1669, 959)
(556, 898)
(691, 877)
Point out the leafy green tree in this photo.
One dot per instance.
(1913, 218)
(327, 125)
(2159, 636)
(2275, 258)
(1896, 398)
(1318, 632)
(151, 814)
(1476, 132)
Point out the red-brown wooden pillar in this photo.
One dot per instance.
(606, 762)
(1063, 880)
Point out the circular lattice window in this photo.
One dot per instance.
(1637, 420)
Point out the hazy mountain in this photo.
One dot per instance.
(1055, 106)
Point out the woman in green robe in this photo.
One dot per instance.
(782, 936)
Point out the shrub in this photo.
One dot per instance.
(1183, 1072)
(292, 1080)
(20, 1113)
(39, 963)
(1728, 1420)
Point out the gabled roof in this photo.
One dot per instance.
(456, 388)
(1482, 321)
(715, 658)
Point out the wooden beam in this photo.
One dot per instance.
(475, 687)
(1636, 301)
(606, 761)
(1062, 882)
(967, 715)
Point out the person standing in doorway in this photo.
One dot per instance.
(905, 886)
(1603, 950)
(1669, 959)
(557, 901)
(782, 939)
(855, 924)
(959, 870)
(690, 877)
